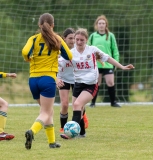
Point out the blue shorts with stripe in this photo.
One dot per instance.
(44, 86)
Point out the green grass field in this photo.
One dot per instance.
(114, 134)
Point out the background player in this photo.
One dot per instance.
(106, 42)
(4, 110)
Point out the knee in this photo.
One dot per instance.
(65, 105)
(64, 109)
(3, 105)
(76, 106)
(110, 83)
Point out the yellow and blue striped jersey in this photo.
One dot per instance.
(2, 75)
(42, 60)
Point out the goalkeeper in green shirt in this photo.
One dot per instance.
(105, 41)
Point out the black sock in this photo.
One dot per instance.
(76, 116)
(111, 92)
(82, 132)
(63, 119)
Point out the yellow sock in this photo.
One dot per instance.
(37, 126)
(3, 117)
(50, 133)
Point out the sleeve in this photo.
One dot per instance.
(59, 73)
(28, 48)
(61, 64)
(65, 51)
(104, 56)
(114, 48)
(3, 75)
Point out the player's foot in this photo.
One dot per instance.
(6, 136)
(54, 145)
(62, 130)
(29, 137)
(115, 104)
(64, 136)
(81, 136)
(85, 120)
(92, 105)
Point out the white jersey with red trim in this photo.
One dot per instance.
(85, 66)
(65, 70)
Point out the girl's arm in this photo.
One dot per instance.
(4, 75)
(118, 65)
(65, 51)
(28, 49)
(102, 57)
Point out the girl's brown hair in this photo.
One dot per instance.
(82, 31)
(102, 17)
(46, 22)
(68, 31)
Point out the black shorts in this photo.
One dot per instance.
(105, 71)
(67, 86)
(79, 87)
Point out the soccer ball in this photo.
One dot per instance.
(72, 129)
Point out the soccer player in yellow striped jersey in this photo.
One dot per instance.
(3, 111)
(42, 51)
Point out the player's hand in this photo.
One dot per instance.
(59, 83)
(29, 60)
(12, 75)
(128, 67)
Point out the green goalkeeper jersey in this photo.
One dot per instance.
(108, 46)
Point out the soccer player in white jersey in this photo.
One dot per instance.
(66, 79)
(86, 74)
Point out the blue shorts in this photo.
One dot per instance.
(44, 86)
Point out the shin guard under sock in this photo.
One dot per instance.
(76, 116)
(63, 119)
(82, 132)
(111, 92)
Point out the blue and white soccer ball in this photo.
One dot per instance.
(72, 129)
